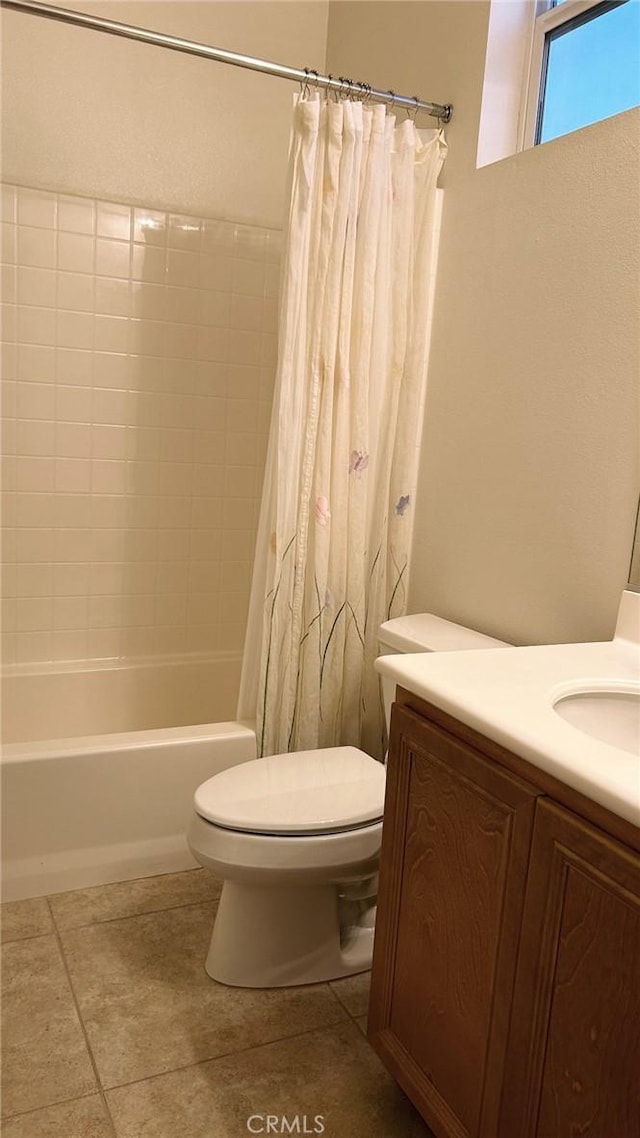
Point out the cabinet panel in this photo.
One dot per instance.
(574, 1047)
(453, 868)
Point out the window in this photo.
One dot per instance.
(584, 65)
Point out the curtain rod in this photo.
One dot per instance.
(159, 39)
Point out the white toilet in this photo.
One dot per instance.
(296, 840)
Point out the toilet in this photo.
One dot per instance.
(296, 841)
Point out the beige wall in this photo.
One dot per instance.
(529, 475)
(111, 118)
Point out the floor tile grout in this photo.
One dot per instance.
(210, 1059)
(229, 1055)
(100, 1090)
(125, 916)
(344, 1016)
(353, 1015)
(24, 939)
(49, 1106)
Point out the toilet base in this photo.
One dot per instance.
(274, 937)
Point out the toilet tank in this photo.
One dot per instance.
(424, 632)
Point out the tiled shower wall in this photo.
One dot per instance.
(138, 364)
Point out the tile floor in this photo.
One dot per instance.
(112, 1029)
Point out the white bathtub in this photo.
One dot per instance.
(100, 763)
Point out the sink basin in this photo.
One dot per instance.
(610, 714)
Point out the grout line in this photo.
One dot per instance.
(132, 916)
(48, 1106)
(100, 1090)
(230, 1054)
(24, 939)
(355, 1017)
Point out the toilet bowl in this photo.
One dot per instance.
(296, 840)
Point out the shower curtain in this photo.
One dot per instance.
(337, 511)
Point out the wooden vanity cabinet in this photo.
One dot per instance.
(455, 850)
(504, 995)
(574, 1045)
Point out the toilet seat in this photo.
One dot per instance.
(326, 791)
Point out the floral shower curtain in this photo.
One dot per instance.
(337, 510)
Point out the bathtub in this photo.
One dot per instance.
(99, 766)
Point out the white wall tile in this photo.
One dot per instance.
(248, 277)
(76, 292)
(141, 377)
(216, 272)
(34, 510)
(108, 477)
(246, 313)
(28, 580)
(112, 258)
(183, 305)
(109, 406)
(73, 511)
(73, 476)
(33, 647)
(8, 243)
(66, 645)
(35, 437)
(71, 545)
(36, 325)
(111, 370)
(73, 404)
(36, 247)
(111, 333)
(183, 268)
(113, 297)
(113, 220)
(36, 208)
(9, 361)
(35, 362)
(108, 441)
(34, 474)
(73, 440)
(8, 204)
(35, 286)
(70, 579)
(8, 284)
(73, 366)
(148, 264)
(70, 612)
(8, 322)
(8, 435)
(34, 545)
(35, 401)
(184, 232)
(76, 215)
(76, 252)
(74, 329)
(150, 226)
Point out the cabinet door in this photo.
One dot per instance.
(455, 847)
(574, 1047)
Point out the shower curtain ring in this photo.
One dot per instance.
(393, 98)
(412, 115)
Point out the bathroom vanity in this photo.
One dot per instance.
(506, 977)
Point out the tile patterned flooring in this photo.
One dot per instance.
(112, 1029)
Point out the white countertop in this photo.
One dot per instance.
(507, 695)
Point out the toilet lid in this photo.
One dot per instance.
(307, 792)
